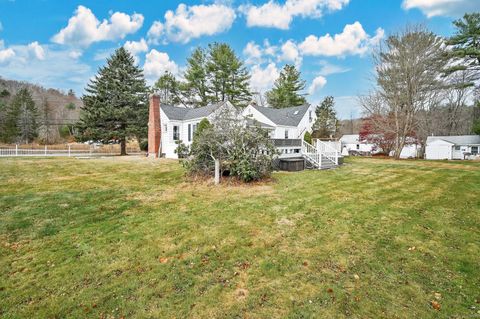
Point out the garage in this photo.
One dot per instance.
(438, 150)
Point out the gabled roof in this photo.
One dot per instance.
(185, 113)
(290, 116)
(457, 139)
(252, 122)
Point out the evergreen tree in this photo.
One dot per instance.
(169, 89)
(466, 49)
(196, 86)
(325, 125)
(115, 105)
(47, 133)
(229, 78)
(21, 118)
(286, 89)
(466, 43)
(4, 94)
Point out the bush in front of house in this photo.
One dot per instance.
(245, 152)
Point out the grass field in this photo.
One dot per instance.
(119, 238)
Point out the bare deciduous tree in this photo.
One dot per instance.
(409, 66)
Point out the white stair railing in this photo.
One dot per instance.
(328, 152)
(311, 153)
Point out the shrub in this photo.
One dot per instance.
(307, 137)
(143, 145)
(181, 150)
(244, 151)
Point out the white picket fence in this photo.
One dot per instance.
(68, 152)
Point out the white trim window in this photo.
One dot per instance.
(189, 132)
(176, 133)
(286, 133)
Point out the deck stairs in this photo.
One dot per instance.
(320, 156)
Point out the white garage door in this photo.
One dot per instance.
(438, 152)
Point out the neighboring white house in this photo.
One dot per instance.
(351, 142)
(452, 147)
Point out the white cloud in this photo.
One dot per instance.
(451, 8)
(157, 63)
(262, 78)
(75, 54)
(136, 47)
(37, 50)
(190, 22)
(328, 68)
(21, 66)
(275, 15)
(257, 54)
(6, 55)
(290, 53)
(317, 83)
(352, 41)
(155, 32)
(253, 52)
(84, 28)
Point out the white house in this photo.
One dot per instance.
(169, 124)
(452, 147)
(351, 143)
(180, 123)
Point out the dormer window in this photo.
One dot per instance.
(286, 134)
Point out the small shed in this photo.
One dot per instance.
(439, 150)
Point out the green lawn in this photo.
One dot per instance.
(112, 238)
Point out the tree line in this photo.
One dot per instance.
(25, 118)
(423, 86)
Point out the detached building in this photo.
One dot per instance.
(452, 147)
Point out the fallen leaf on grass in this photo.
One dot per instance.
(163, 260)
(411, 248)
(438, 296)
(435, 305)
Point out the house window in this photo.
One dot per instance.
(358, 146)
(194, 130)
(457, 147)
(286, 133)
(176, 133)
(474, 150)
(189, 132)
(310, 116)
(165, 126)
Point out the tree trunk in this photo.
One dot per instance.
(123, 147)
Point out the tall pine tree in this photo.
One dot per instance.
(22, 118)
(196, 87)
(116, 102)
(169, 89)
(466, 49)
(286, 89)
(229, 78)
(326, 123)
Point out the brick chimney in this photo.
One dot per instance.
(154, 129)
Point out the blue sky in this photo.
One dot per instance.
(61, 44)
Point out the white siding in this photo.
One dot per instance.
(438, 150)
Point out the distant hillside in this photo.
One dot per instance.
(349, 126)
(63, 109)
